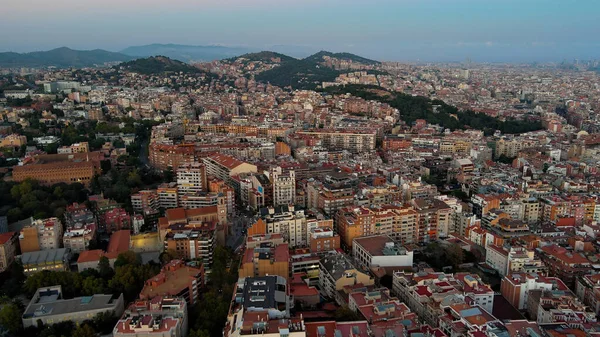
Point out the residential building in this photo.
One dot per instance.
(425, 292)
(115, 220)
(42, 234)
(266, 259)
(335, 272)
(515, 287)
(226, 167)
(564, 264)
(284, 186)
(191, 179)
(433, 219)
(145, 199)
(588, 291)
(159, 317)
(49, 307)
(261, 307)
(355, 141)
(381, 251)
(78, 238)
(175, 279)
(323, 239)
(284, 220)
(167, 196)
(512, 259)
(9, 243)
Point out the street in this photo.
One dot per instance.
(239, 223)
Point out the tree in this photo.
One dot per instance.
(455, 255)
(344, 314)
(105, 271)
(104, 322)
(199, 333)
(84, 330)
(127, 258)
(10, 317)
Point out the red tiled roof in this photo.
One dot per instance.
(119, 242)
(4, 237)
(90, 256)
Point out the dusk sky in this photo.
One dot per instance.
(402, 30)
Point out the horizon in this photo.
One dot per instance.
(405, 31)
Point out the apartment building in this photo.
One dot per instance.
(424, 292)
(284, 220)
(192, 241)
(261, 307)
(176, 279)
(355, 222)
(42, 234)
(433, 219)
(284, 186)
(160, 317)
(165, 156)
(77, 238)
(515, 287)
(587, 289)
(511, 147)
(329, 198)
(191, 179)
(225, 167)
(337, 271)
(145, 199)
(381, 251)
(323, 239)
(355, 141)
(8, 249)
(168, 196)
(513, 259)
(266, 259)
(566, 265)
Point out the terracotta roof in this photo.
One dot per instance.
(119, 242)
(90, 255)
(4, 237)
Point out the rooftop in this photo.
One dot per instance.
(379, 245)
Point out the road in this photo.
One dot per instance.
(239, 222)
(144, 152)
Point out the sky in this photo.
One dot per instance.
(389, 30)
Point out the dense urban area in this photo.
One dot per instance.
(330, 196)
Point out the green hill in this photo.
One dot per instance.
(436, 111)
(264, 56)
(158, 65)
(318, 57)
(307, 73)
(61, 57)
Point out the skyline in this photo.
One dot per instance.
(404, 30)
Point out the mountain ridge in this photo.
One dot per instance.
(62, 57)
(185, 53)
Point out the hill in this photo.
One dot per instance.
(319, 57)
(158, 65)
(436, 111)
(61, 57)
(264, 56)
(185, 53)
(307, 73)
